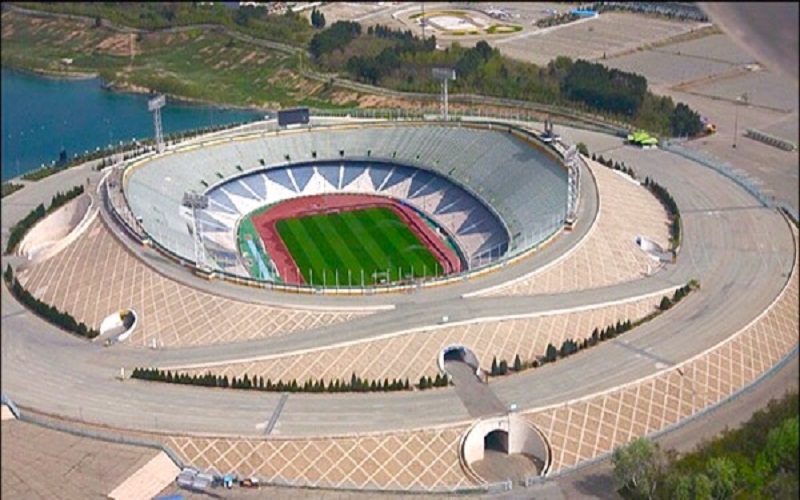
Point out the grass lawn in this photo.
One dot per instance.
(373, 239)
(197, 64)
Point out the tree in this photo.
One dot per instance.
(494, 366)
(685, 122)
(782, 445)
(679, 486)
(484, 50)
(551, 353)
(721, 471)
(517, 364)
(638, 467)
(665, 303)
(703, 489)
(317, 19)
(582, 149)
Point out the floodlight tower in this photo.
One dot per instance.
(154, 105)
(573, 184)
(445, 75)
(197, 201)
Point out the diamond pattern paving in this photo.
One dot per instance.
(414, 355)
(608, 255)
(595, 425)
(417, 460)
(96, 276)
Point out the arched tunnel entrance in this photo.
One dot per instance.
(452, 356)
(504, 447)
(497, 440)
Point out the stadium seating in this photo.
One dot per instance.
(452, 173)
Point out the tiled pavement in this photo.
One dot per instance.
(96, 276)
(421, 460)
(414, 355)
(595, 425)
(608, 255)
(577, 431)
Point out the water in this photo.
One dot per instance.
(40, 116)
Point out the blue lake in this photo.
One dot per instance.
(40, 116)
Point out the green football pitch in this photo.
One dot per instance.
(345, 246)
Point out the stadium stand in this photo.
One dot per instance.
(456, 175)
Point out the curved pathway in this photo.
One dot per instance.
(743, 255)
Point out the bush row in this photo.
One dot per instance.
(355, 384)
(49, 313)
(564, 18)
(570, 346)
(658, 191)
(10, 188)
(19, 229)
(615, 165)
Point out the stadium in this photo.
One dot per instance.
(509, 252)
(435, 180)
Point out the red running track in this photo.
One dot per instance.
(327, 203)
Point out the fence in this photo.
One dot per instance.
(741, 180)
(88, 432)
(92, 433)
(770, 140)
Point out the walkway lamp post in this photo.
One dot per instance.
(739, 99)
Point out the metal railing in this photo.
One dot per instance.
(742, 180)
(88, 432)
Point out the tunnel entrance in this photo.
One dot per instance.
(496, 441)
(506, 447)
(454, 355)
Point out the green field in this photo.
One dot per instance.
(373, 240)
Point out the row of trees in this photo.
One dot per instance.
(563, 18)
(355, 384)
(682, 11)
(19, 229)
(570, 346)
(757, 460)
(615, 165)
(617, 92)
(49, 313)
(658, 191)
(336, 37)
(405, 64)
(666, 199)
(10, 188)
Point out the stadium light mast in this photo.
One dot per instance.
(154, 105)
(197, 201)
(573, 185)
(445, 75)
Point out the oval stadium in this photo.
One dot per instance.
(386, 305)
(459, 214)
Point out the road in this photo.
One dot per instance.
(741, 253)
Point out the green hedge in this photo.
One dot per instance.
(49, 313)
(355, 384)
(570, 346)
(10, 188)
(19, 229)
(658, 191)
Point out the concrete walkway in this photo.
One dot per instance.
(478, 398)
